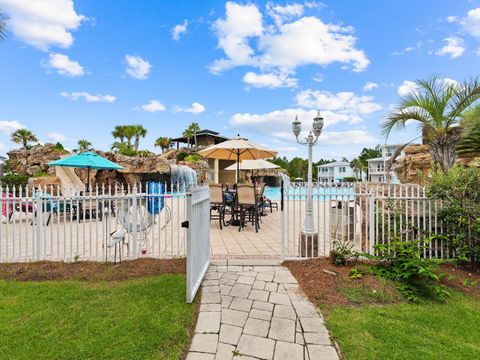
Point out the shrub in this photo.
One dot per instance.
(11, 180)
(458, 190)
(59, 148)
(349, 179)
(40, 174)
(402, 261)
(181, 156)
(127, 151)
(193, 158)
(341, 252)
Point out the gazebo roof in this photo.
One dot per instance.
(203, 132)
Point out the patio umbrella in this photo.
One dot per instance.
(237, 149)
(253, 165)
(87, 160)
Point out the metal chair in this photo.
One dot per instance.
(217, 204)
(247, 204)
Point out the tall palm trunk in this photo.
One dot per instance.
(443, 148)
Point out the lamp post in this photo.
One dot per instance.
(310, 140)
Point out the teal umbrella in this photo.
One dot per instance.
(87, 160)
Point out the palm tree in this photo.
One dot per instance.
(119, 133)
(357, 167)
(138, 132)
(3, 25)
(469, 144)
(437, 105)
(191, 132)
(84, 145)
(164, 143)
(24, 137)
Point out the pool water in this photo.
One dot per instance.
(273, 193)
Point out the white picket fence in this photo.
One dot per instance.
(362, 215)
(42, 224)
(198, 239)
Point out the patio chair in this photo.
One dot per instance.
(247, 204)
(217, 204)
(90, 207)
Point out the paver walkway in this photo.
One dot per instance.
(257, 312)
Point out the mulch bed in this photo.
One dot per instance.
(321, 281)
(90, 271)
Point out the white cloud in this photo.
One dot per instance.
(347, 137)
(56, 137)
(89, 97)
(344, 102)
(407, 87)
(418, 45)
(280, 13)
(42, 23)
(137, 67)
(454, 47)
(196, 108)
(9, 126)
(283, 46)
(153, 106)
(318, 77)
(64, 66)
(179, 29)
(269, 80)
(451, 19)
(369, 86)
(471, 22)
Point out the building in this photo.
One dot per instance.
(204, 138)
(2, 164)
(377, 166)
(334, 172)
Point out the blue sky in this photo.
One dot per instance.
(74, 69)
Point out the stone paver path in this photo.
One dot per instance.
(257, 312)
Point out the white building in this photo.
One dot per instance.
(377, 166)
(334, 172)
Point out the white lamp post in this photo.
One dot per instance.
(310, 140)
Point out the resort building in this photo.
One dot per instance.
(334, 172)
(377, 166)
(204, 138)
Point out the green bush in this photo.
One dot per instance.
(181, 156)
(11, 180)
(40, 174)
(193, 158)
(59, 148)
(403, 262)
(127, 151)
(349, 179)
(458, 190)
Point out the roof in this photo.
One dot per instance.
(203, 132)
(377, 159)
(334, 164)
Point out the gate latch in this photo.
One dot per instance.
(185, 224)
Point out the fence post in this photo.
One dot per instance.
(371, 221)
(282, 223)
(134, 221)
(189, 250)
(38, 224)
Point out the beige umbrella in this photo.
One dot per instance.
(237, 149)
(253, 165)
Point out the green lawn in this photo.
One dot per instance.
(145, 318)
(429, 330)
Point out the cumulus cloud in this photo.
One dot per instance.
(42, 23)
(153, 106)
(269, 80)
(179, 29)
(196, 108)
(287, 43)
(64, 66)
(407, 87)
(471, 22)
(451, 19)
(347, 137)
(343, 102)
(137, 67)
(454, 47)
(418, 45)
(56, 137)
(88, 97)
(9, 126)
(369, 86)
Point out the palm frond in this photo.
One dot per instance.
(3, 25)
(465, 95)
(399, 118)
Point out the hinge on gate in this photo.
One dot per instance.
(185, 224)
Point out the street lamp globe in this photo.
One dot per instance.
(317, 124)
(296, 126)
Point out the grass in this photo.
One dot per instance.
(426, 330)
(145, 318)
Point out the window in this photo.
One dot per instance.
(324, 170)
(342, 169)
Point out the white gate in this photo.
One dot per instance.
(360, 215)
(198, 238)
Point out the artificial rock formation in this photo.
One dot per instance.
(415, 165)
(32, 161)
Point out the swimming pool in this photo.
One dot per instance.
(273, 193)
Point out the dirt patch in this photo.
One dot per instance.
(464, 280)
(329, 285)
(90, 271)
